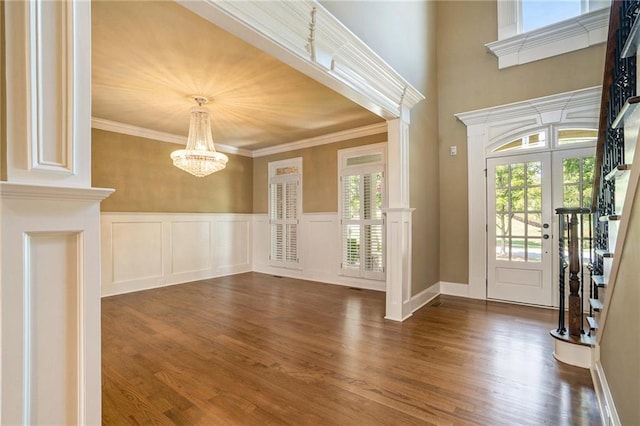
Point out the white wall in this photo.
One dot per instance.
(147, 250)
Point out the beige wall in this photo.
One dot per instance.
(620, 343)
(319, 175)
(3, 101)
(404, 35)
(469, 79)
(146, 181)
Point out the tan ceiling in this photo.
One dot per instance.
(149, 57)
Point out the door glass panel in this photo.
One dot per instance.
(577, 179)
(534, 199)
(517, 249)
(517, 200)
(534, 250)
(518, 203)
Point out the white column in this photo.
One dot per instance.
(398, 220)
(50, 219)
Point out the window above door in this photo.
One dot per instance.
(530, 30)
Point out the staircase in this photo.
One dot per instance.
(615, 186)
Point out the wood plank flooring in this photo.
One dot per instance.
(254, 349)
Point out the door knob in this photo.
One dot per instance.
(545, 236)
(545, 226)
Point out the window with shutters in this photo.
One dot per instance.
(285, 206)
(361, 200)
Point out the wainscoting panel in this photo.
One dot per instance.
(319, 251)
(137, 250)
(53, 279)
(147, 250)
(190, 246)
(233, 244)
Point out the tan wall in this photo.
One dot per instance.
(404, 35)
(3, 101)
(146, 181)
(620, 343)
(319, 175)
(469, 79)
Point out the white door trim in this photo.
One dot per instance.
(487, 126)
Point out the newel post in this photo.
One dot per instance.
(575, 301)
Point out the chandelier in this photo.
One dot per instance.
(199, 157)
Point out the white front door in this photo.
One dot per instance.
(519, 243)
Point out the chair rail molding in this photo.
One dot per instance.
(488, 126)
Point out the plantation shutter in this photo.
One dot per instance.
(362, 221)
(284, 212)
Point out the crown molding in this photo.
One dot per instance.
(127, 129)
(372, 129)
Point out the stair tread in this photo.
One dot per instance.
(593, 323)
(626, 111)
(604, 253)
(618, 171)
(599, 280)
(610, 218)
(596, 304)
(584, 339)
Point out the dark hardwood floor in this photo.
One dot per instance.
(253, 349)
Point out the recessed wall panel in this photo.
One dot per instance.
(190, 246)
(52, 339)
(231, 239)
(137, 250)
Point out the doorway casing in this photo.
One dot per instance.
(485, 128)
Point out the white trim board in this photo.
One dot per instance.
(454, 289)
(425, 296)
(127, 129)
(608, 412)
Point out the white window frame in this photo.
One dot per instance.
(514, 47)
(275, 179)
(361, 169)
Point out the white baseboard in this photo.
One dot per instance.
(424, 297)
(608, 412)
(454, 289)
(322, 277)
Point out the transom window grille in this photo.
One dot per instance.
(534, 140)
(285, 202)
(361, 201)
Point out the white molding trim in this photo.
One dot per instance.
(306, 36)
(128, 129)
(489, 126)
(608, 412)
(358, 132)
(566, 36)
(424, 297)
(454, 289)
(36, 192)
(141, 251)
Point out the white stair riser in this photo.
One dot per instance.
(613, 234)
(621, 184)
(607, 261)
